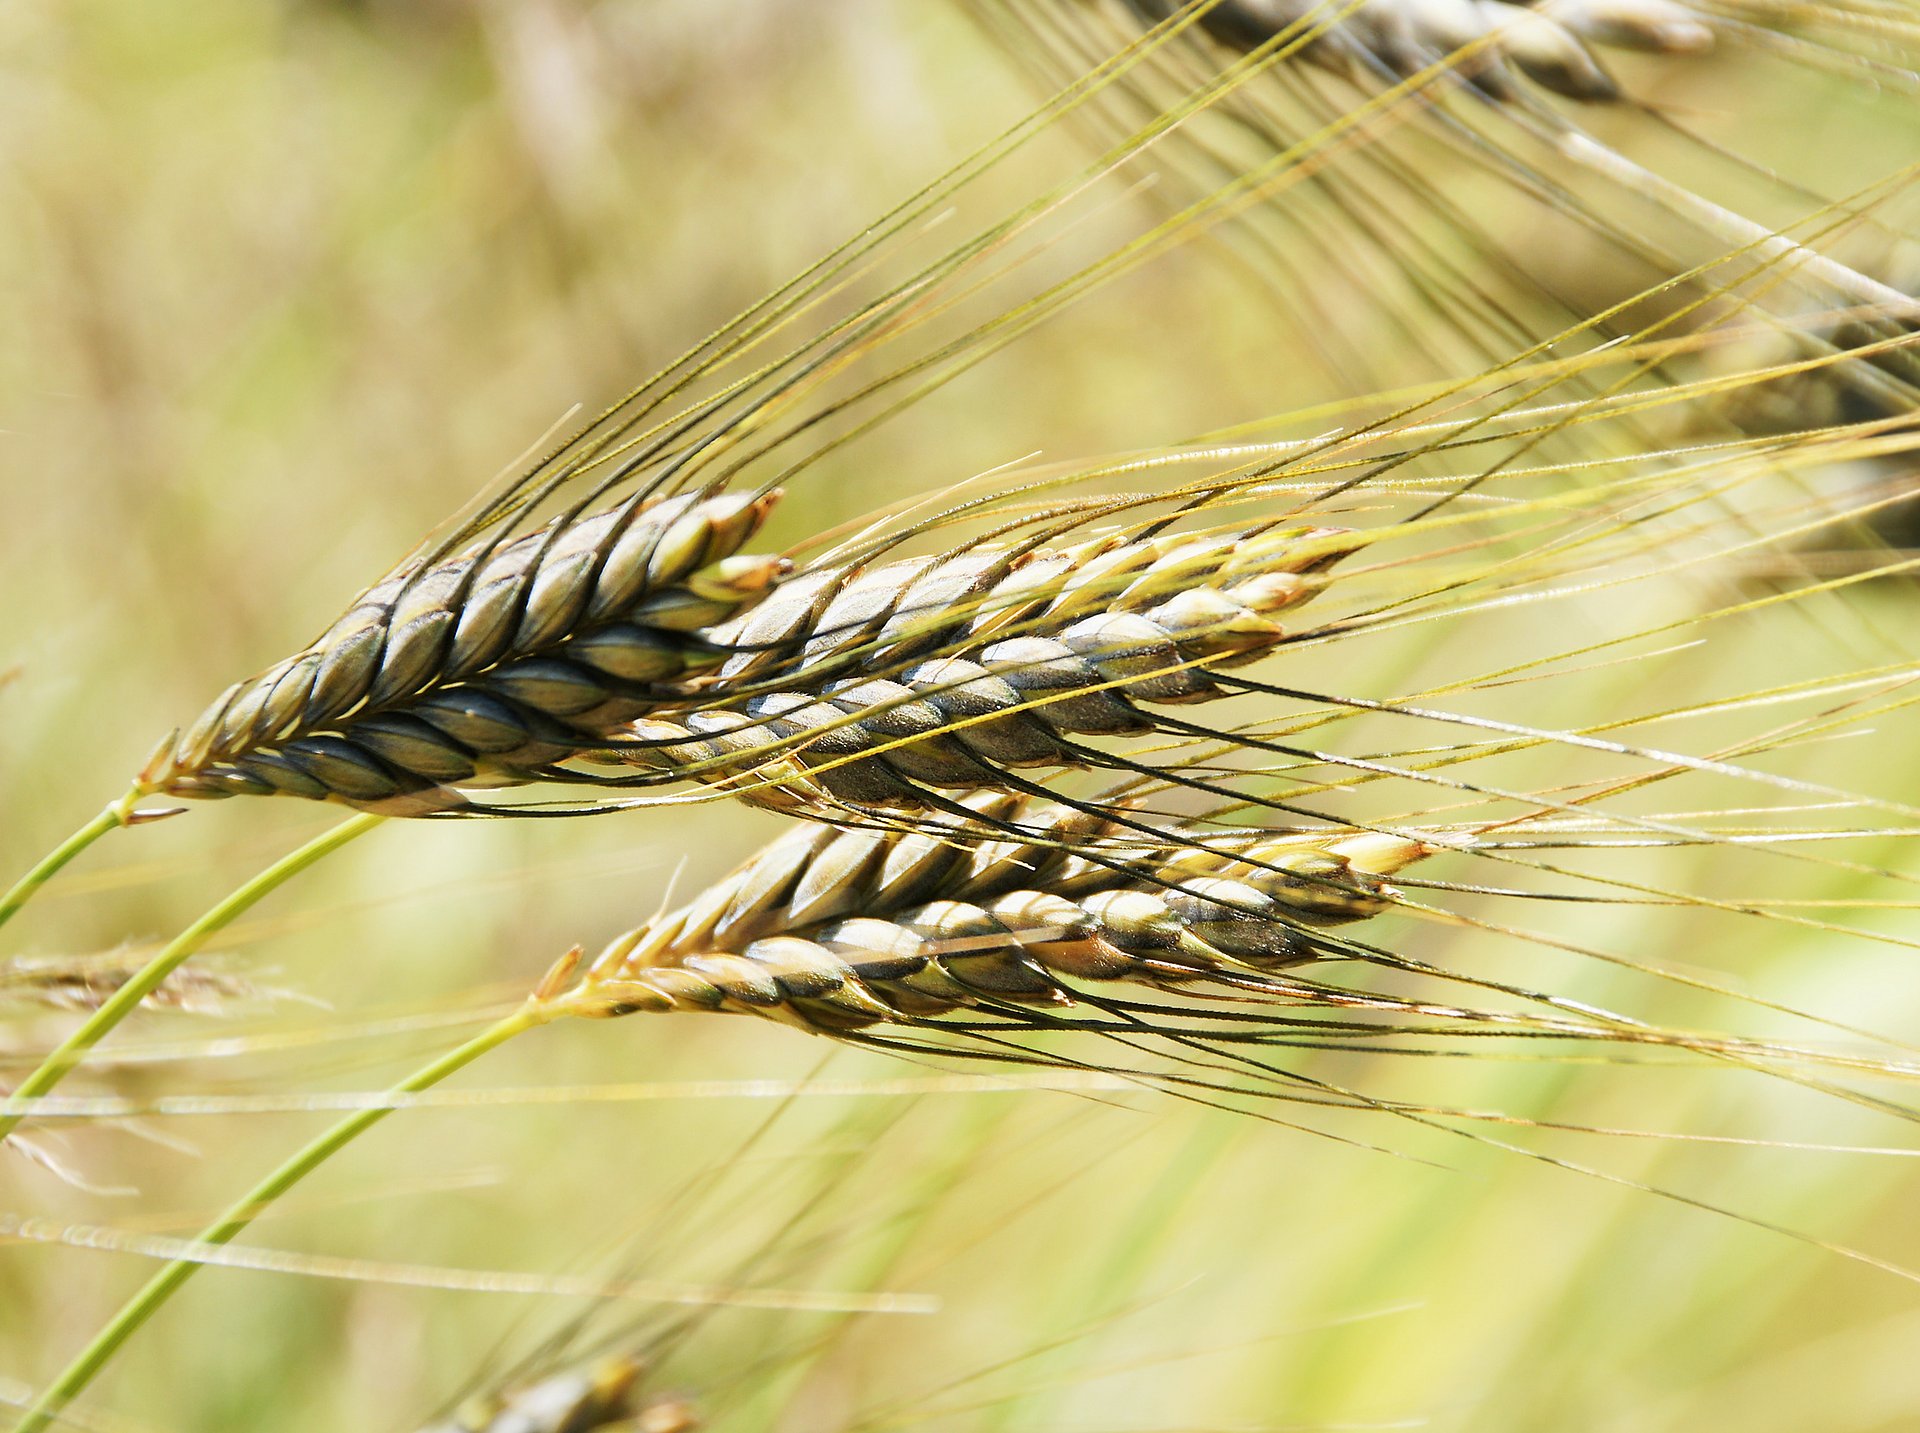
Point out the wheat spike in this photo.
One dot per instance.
(836, 930)
(874, 683)
(68, 982)
(821, 620)
(481, 667)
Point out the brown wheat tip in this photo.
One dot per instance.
(485, 666)
(837, 930)
(605, 1395)
(870, 685)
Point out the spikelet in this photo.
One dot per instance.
(840, 930)
(483, 666)
(949, 673)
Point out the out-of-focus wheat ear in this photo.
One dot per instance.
(86, 982)
(981, 930)
(1491, 44)
(605, 1394)
(1498, 50)
(482, 667)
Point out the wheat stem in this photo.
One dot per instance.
(163, 1285)
(115, 815)
(122, 1002)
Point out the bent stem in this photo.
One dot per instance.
(122, 1002)
(162, 1286)
(119, 813)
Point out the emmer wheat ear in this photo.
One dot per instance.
(834, 931)
(1437, 92)
(951, 673)
(478, 667)
(474, 668)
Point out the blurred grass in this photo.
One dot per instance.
(280, 286)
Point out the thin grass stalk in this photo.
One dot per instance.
(124, 1001)
(153, 1295)
(114, 816)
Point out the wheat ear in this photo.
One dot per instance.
(834, 930)
(1488, 47)
(479, 667)
(876, 684)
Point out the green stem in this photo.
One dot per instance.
(162, 1286)
(122, 1002)
(23, 889)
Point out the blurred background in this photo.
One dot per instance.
(281, 285)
